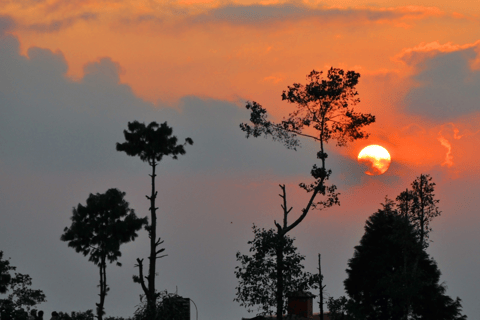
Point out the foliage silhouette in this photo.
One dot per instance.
(79, 315)
(257, 273)
(151, 143)
(99, 228)
(420, 206)
(324, 112)
(5, 276)
(392, 277)
(21, 298)
(338, 308)
(165, 309)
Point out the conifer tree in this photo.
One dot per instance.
(392, 277)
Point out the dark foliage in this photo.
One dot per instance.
(5, 276)
(79, 315)
(257, 274)
(420, 206)
(151, 142)
(338, 308)
(323, 104)
(99, 228)
(392, 277)
(21, 298)
(167, 308)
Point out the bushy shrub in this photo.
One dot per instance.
(166, 309)
(79, 315)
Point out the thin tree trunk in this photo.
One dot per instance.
(103, 289)
(151, 299)
(279, 293)
(321, 285)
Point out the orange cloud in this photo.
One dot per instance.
(425, 50)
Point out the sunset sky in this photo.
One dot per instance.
(74, 73)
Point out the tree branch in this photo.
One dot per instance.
(140, 275)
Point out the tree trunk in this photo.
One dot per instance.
(279, 293)
(151, 298)
(320, 286)
(103, 289)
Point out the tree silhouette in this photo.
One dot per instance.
(99, 228)
(20, 295)
(151, 143)
(257, 273)
(392, 277)
(5, 276)
(324, 112)
(420, 206)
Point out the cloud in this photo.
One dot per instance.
(52, 123)
(423, 51)
(445, 80)
(60, 24)
(6, 24)
(295, 11)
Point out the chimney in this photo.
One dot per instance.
(300, 303)
(177, 306)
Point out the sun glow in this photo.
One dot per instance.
(376, 158)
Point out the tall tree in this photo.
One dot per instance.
(324, 112)
(257, 272)
(392, 277)
(99, 228)
(151, 143)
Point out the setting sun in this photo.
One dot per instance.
(375, 158)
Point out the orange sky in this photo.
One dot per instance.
(253, 50)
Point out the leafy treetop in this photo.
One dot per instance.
(98, 229)
(323, 104)
(151, 142)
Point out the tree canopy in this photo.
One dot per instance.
(152, 142)
(257, 273)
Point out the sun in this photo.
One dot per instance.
(375, 158)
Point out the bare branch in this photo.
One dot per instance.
(140, 275)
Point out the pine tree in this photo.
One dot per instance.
(392, 277)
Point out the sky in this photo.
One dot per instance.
(74, 73)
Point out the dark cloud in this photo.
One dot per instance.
(6, 24)
(446, 86)
(57, 25)
(256, 13)
(52, 123)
